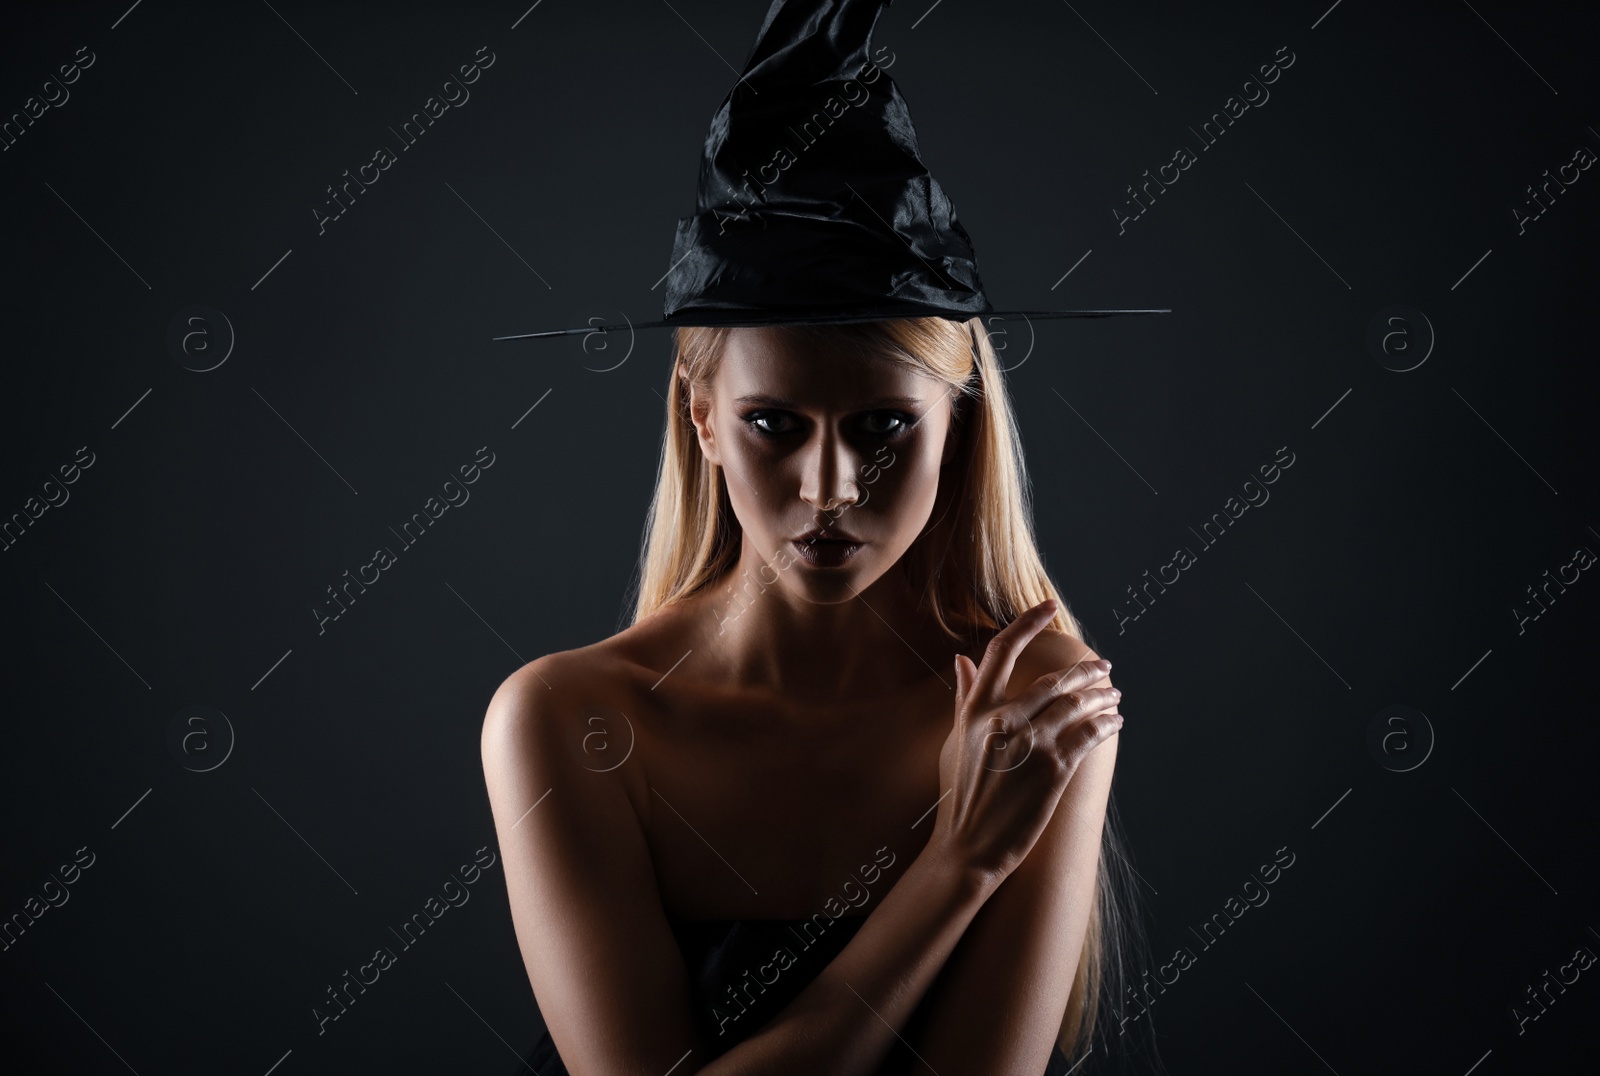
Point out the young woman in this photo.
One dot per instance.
(835, 802)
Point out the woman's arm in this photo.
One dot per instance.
(998, 1005)
(601, 957)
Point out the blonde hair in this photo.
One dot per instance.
(976, 563)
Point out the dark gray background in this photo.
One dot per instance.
(1382, 571)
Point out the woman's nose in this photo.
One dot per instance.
(828, 472)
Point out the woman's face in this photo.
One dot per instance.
(811, 440)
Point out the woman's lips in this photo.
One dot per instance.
(825, 552)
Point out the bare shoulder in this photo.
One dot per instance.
(1055, 649)
(574, 716)
(546, 701)
(580, 878)
(1051, 651)
(527, 699)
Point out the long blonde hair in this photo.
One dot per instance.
(976, 563)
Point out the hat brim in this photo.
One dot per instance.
(732, 318)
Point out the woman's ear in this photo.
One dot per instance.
(700, 415)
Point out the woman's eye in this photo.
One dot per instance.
(884, 424)
(899, 423)
(758, 417)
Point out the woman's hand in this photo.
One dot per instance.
(1006, 763)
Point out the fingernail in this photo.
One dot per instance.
(1103, 663)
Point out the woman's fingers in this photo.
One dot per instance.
(1079, 720)
(1078, 740)
(1052, 685)
(1000, 657)
(964, 668)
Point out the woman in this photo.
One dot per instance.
(834, 802)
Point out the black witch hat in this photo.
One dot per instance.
(814, 204)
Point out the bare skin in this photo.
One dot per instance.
(742, 753)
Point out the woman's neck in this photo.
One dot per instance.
(768, 636)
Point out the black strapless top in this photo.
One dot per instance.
(737, 955)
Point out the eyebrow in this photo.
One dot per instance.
(778, 401)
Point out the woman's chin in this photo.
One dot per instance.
(832, 586)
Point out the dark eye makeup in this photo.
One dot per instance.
(903, 422)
